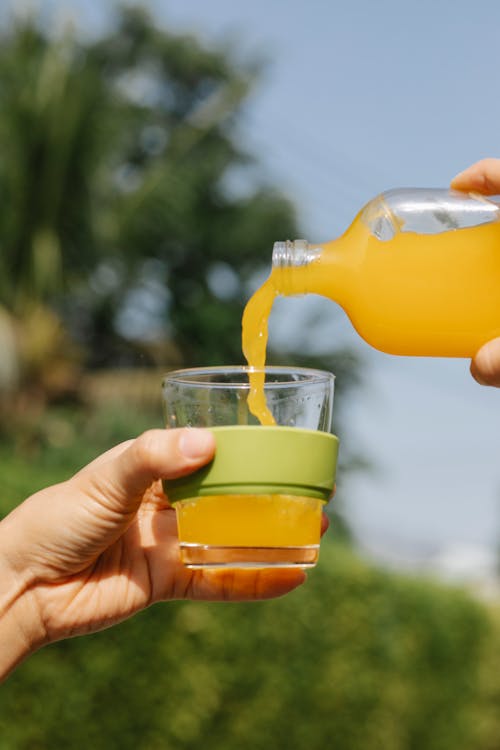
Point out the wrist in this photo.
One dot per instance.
(19, 637)
(21, 629)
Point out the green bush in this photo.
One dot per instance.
(64, 441)
(358, 659)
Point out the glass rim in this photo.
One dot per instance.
(191, 376)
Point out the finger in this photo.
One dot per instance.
(483, 176)
(238, 585)
(154, 498)
(156, 454)
(325, 523)
(485, 367)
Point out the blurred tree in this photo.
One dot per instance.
(120, 208)
(117, 210)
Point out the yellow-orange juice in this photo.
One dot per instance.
(236, 527)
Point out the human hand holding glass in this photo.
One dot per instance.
(89, 552)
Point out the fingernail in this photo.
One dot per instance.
(196, 443)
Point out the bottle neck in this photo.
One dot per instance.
(290, 262)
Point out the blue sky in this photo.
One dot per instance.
(360, 97)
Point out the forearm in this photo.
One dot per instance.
(19, 630)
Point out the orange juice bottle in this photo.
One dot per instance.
(417, 272)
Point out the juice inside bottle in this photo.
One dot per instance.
(436, 295)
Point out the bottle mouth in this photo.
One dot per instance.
(293, 253)
(289, 256)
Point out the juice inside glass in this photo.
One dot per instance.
(259, 503)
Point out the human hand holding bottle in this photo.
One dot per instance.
(89, 552)
(483, 177)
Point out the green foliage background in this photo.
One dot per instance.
(357, 659)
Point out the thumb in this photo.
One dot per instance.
(483, 176)
(63, 528)
(156, 454)
(485, 367)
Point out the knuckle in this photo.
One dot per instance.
(146, 447)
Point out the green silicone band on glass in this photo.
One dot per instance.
(259, 460)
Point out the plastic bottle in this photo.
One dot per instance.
(417, 272)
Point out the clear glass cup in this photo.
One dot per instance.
(259, 502)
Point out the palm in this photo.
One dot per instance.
(138, 569)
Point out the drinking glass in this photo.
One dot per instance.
(259, 502)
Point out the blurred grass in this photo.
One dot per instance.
(64, 440)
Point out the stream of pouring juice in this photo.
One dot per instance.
(234, 528)
(254, 345)
(273, 524)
